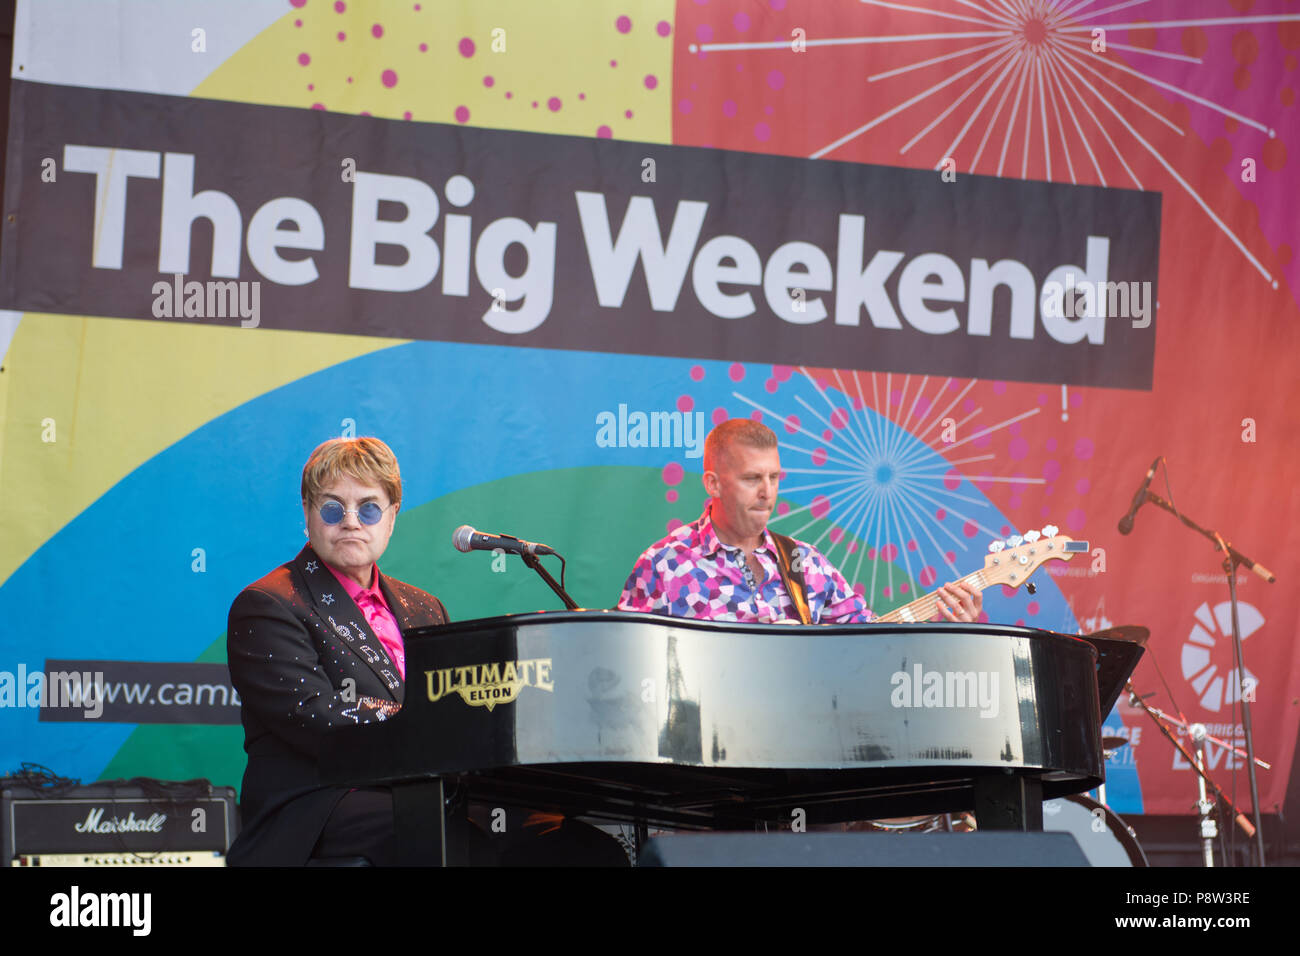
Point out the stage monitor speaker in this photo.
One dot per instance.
(863, 849)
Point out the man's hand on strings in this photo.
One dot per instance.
(959, 602)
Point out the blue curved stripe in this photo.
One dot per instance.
(118, 582)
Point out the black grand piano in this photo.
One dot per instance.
(704, 725)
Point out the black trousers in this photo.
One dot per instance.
(363, 825)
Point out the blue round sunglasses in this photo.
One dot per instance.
(331, 512)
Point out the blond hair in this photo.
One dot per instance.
(367, 460)
(735, 431)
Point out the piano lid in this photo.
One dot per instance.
(610, 686)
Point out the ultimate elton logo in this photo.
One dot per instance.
(486, 685)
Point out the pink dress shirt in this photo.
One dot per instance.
(378, 615)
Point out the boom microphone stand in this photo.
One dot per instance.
(1232, 558)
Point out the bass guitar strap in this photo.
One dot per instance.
(791, 575)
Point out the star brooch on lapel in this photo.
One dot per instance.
(328, 598)
(312, 566)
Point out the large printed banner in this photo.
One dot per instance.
(977, 264)
(561, 242)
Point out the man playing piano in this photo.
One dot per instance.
(726, 566)
(318, 644)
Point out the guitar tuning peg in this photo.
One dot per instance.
(996, 546)
(1015, 541)
(1032, 536)
(1051, 531)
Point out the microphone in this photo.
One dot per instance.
(1126, 522)
(467, 539)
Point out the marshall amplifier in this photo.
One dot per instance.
(137, 822)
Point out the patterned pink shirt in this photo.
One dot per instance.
(378, 615)
(691, 573)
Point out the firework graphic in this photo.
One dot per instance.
(890, 476)
(1077, 91)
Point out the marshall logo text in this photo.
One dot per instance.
(486, 685)
(95, 823)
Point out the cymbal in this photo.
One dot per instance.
(1132, 633)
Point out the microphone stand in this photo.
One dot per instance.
(1199, 736)
(535, 563)
(1232, 558)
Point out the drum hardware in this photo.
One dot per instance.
(1109, 747)
(1104, 837)
(1205, 803)
(926, 823)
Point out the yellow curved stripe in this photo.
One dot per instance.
(535, 50)
(83, 401)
